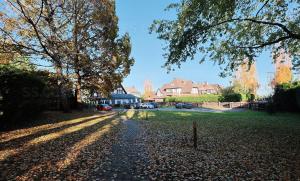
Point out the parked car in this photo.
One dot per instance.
(132, 106)
(155, 105)
(184, 106)
(188, 106)
(104, 107)
(146, 106)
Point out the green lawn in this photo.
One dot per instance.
(245, 145)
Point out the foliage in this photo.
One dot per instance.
(228, 31)
(246, 79)
(77, 37)
(22, 94)
(283, 74)
(235, 94)
(287, 97)
(232, 97)
(25, 93)
(194, 99)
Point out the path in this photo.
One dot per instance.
(128, 160)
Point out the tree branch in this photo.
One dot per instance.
(265, 44)
(262, 7)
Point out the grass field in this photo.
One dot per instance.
(242, 145)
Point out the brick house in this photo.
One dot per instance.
(180, 87)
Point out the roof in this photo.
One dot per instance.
(187, 86)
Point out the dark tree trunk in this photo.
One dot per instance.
(65, 106)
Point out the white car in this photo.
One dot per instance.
(146, 106)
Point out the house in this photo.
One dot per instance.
(180, 87)
(118, 97)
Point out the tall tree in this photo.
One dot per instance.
(36, 28)
(246, 78)
(148, 89)
(79, 37)
(226, 31)
(283, 68)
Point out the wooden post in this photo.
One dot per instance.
(146, 115)
(195, 134)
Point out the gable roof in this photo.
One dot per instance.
(187, 86)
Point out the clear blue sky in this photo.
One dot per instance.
(135, 17)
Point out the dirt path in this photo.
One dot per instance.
(128, 160)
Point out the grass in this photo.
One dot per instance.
(243, 145)
(248, 118)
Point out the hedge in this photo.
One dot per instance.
(232, 97)
(21, 93)
(194, 99)
(287, 97)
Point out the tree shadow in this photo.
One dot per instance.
(43, 157)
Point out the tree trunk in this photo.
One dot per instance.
(78, 90)
(62, 91)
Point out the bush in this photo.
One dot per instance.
(232, 97)
(194, 99)
(21, 92)
(287, 97)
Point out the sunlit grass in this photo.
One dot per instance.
(42, 139)
(11, 135)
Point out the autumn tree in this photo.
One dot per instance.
(246, 78)
(78, 37)
(148, 89)
(227, 31)
(283, 68)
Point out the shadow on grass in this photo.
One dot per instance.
(59, 152)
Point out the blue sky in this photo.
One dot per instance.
(135, 17)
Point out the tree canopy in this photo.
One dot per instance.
(228, 31)
(78, 37)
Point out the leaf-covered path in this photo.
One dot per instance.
(128, 159)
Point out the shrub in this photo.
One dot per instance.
(287, 97)
(21, 92)
(194, 99)
(232, 97)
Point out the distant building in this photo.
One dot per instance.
(118, 97)
(180, 87)
(132, 90)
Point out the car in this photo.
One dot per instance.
(132, 106)
(104, 107)
(155, 105)
(179, 105)
(188, 106)
(146, 106)
(184, 106)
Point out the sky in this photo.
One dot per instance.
(135, 17)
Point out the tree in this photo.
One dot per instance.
(246, 79)
(227, 31)
(80, 38)
(283, 69)
(148, 89)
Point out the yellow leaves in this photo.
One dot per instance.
(247, 78)
(283, 75)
